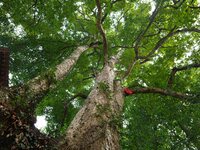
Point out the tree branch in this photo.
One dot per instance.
(121, 46)
(106, 14)
(175, 70)
(41, 84)
(165, 38)
(138, 40)
(195, 7)
(175, 6)
(141, 35)
(154, 34)
(101, 30)
(127, 73)
(188, 30)
(165, 92)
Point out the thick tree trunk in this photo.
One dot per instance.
(95, 125)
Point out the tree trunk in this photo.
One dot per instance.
(17, 106)
(37, 88)
(95, 125)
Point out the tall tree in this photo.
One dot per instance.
(107, 74)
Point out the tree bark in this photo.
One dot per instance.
(95, 125)
(41, 84)
(17, 129)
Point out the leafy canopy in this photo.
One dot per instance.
(40, 34)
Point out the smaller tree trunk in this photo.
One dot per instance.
(42, 83)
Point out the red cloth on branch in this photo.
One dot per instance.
(128, 91)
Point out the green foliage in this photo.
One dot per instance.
(41, 34)
(152, 122)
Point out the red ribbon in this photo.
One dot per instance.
(128, 91)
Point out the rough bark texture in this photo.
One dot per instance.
(63, 68)
(95, 125)
(40, 84)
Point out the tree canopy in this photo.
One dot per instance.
(161, 61)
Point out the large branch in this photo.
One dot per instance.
(165, 92)
(42, 83)
(175, 70)
(102, 32)
(165, 38)
(138, 41)
(141, 35)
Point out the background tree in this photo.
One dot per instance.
(63, 52)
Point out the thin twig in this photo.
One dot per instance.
(176, 6)
(195, 7)
(130, 69)
(121, 46)
(106, 14)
